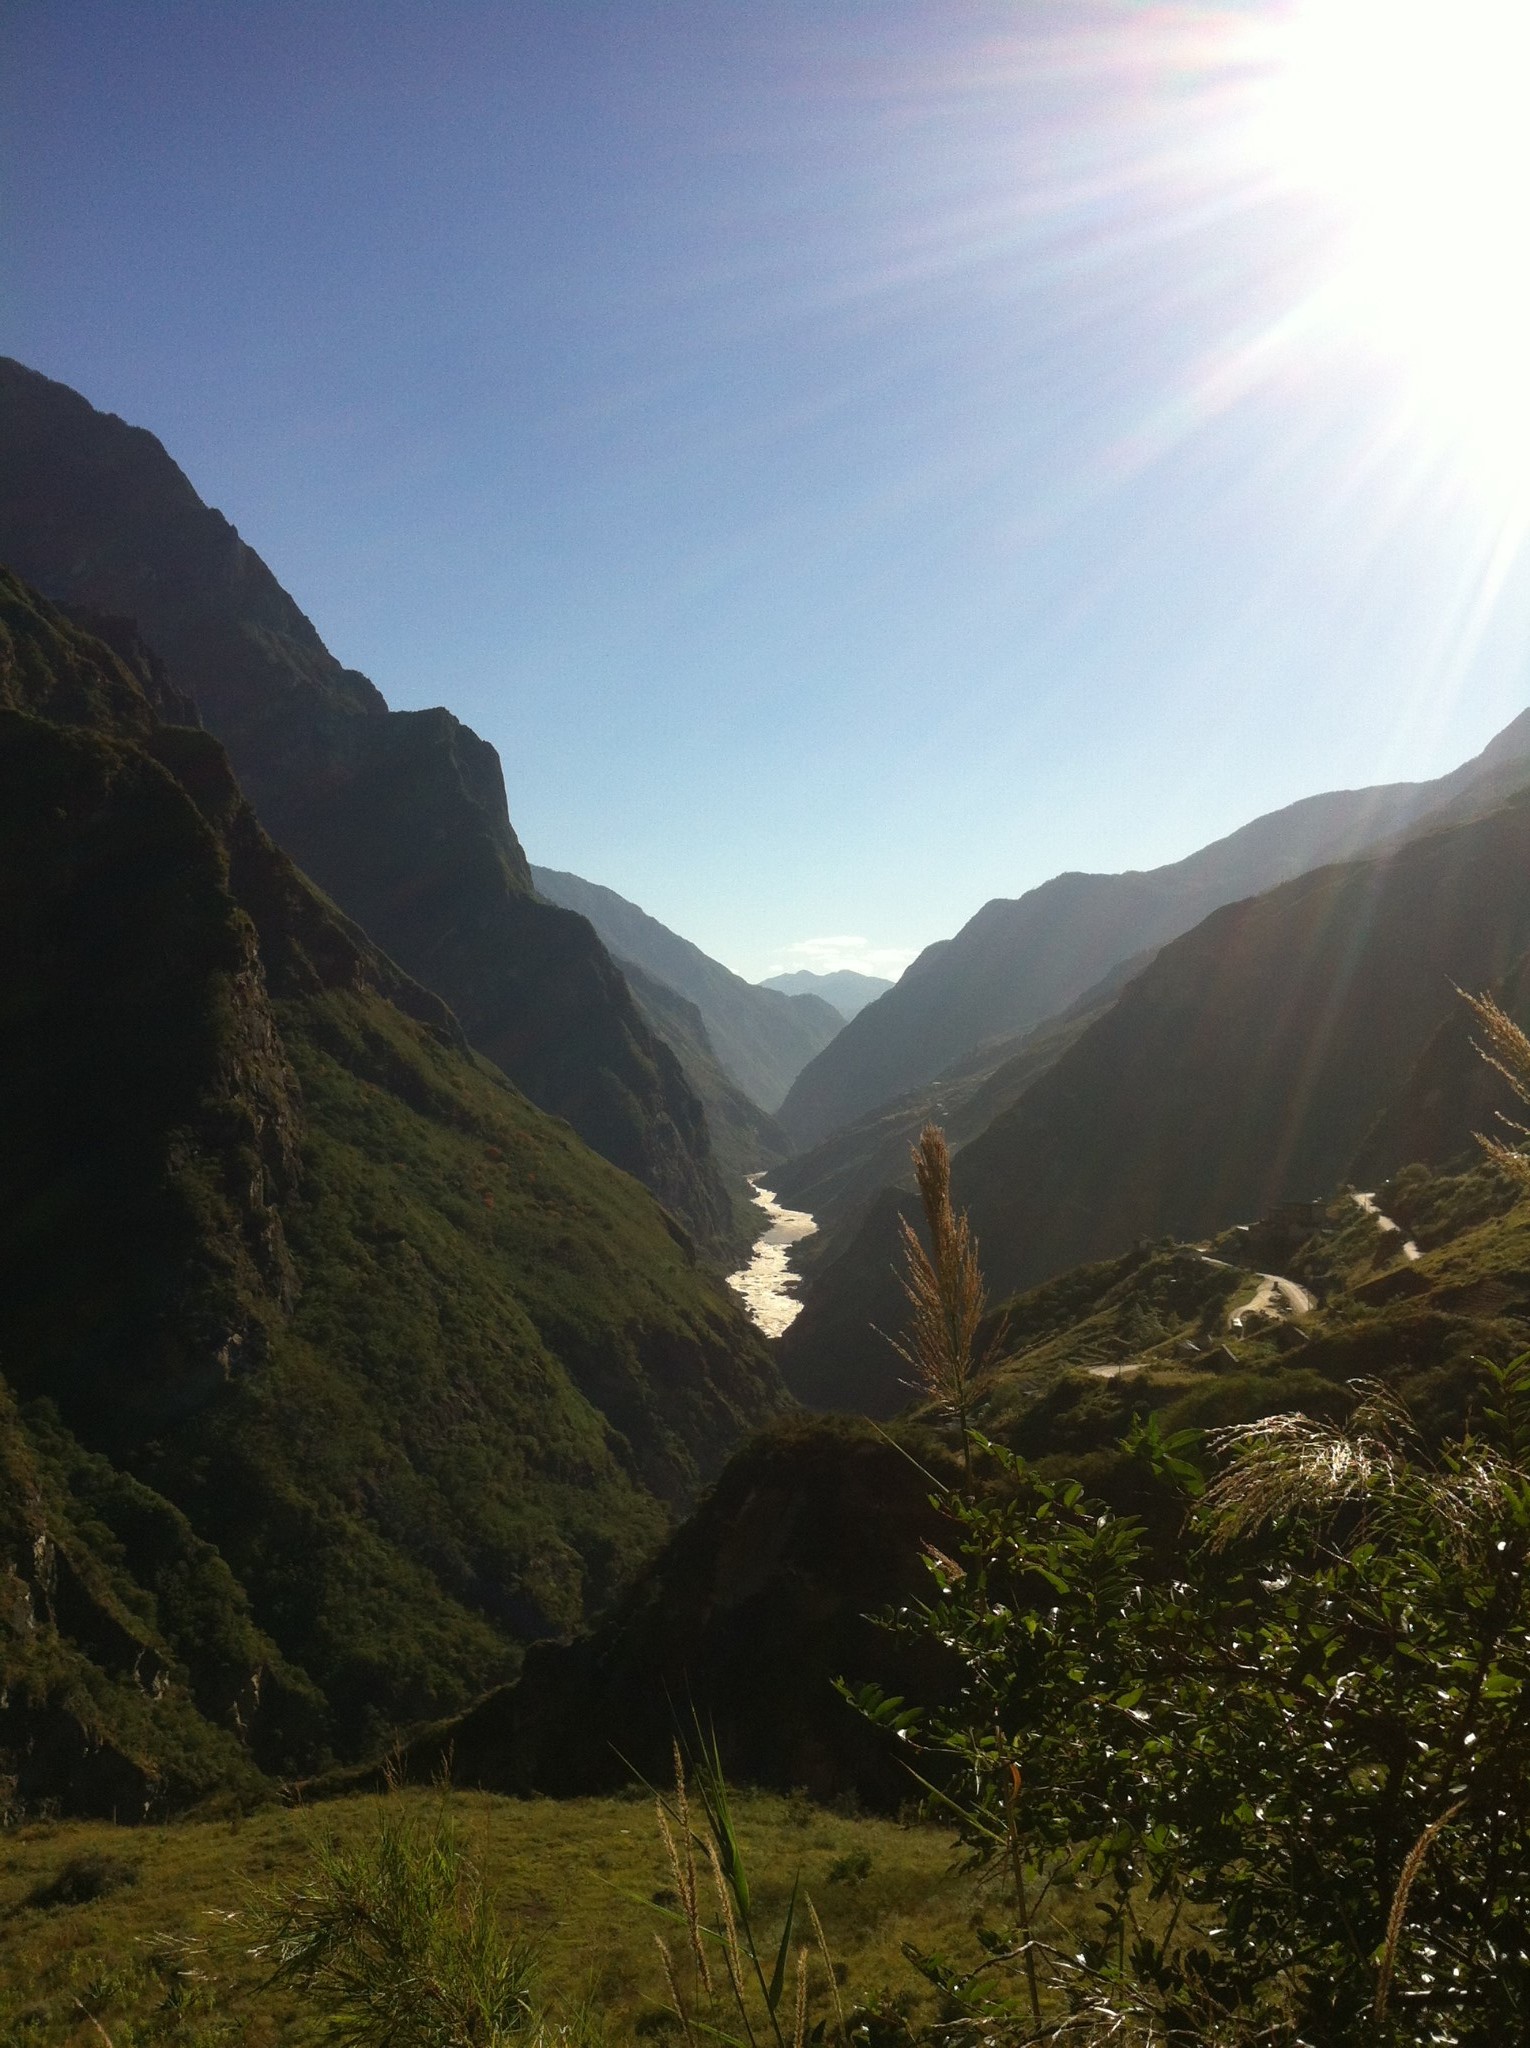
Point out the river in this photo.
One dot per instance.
(765, 1284)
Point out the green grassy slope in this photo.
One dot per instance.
(148, 1933)
(422, 1374)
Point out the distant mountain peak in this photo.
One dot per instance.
(1021, 960)
(842, 987)
(762, 1038)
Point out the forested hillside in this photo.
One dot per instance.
(335, 1370)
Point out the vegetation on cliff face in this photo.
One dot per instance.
(744, 1138)
(299, 1295)
(761, 1598)
(399, 816)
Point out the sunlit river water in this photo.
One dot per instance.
(766, 1283)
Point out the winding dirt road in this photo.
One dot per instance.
(1274, 1296)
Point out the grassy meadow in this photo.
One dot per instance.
(142, 1934)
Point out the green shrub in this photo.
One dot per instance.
(1291, 1776)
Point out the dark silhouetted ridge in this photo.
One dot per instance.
(399, 816)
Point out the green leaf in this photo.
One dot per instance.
(778, 1975)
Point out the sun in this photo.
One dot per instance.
(1409, 122)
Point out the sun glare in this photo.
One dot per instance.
(1411, 119)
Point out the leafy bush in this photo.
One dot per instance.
(1290, 1772)
(1294, 1775)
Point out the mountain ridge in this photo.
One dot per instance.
(1018, 961)
(399, 816)
(1252, 1062)
(334, 1369)
(760, 1037)
(842, 987)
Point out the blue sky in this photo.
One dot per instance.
(853, 460)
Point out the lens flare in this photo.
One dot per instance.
(1408, 119)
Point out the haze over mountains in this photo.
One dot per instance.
(1256, 1059)
(848, 991)
(1020, 961)
(762, 1038)
(838, 1175)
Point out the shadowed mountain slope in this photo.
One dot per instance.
(843, 1172)
(1021, 961)
(399, 816)
(1247, 1065)
(847, 991)
(1450, 1095)
(761, 1038)
(334, 1370)
(755, 1606)
(743, 1136)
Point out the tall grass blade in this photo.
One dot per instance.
(778, 1975)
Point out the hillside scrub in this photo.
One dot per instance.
(1292, 1774)
(1289, 1770)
